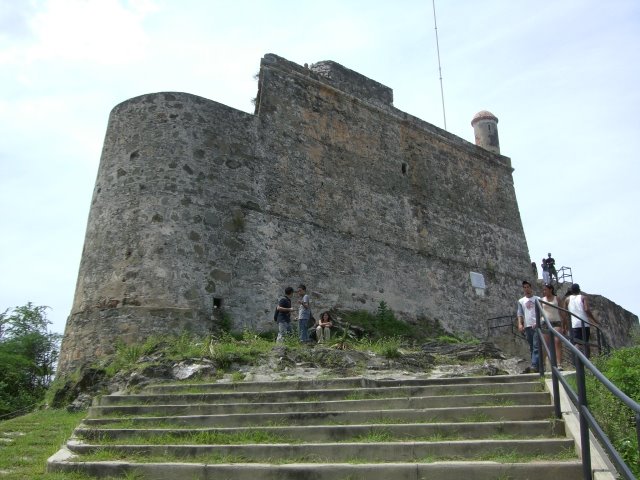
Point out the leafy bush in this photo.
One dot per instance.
(622, 368)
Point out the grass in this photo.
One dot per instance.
(29, 440)
(257, 436)
(505, 456)
(358, 395)
(223, 350)
(200, 438)
(388, 347)
(499, 456)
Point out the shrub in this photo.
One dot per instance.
(382, 324)
(622, 368)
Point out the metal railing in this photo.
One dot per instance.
(505, 321)
(564, 275)
(581, 361)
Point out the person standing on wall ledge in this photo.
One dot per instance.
(527, 323)
(304, 313)
(545, 272)
(284, 315)
(551, 266)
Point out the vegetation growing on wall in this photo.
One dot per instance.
(381, 324)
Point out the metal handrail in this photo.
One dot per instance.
(563, 274)
(587, 421)
(510, 324)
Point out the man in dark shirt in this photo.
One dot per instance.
(551, 266)
(284, 315)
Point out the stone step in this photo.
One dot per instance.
(427, 415)
(541, 470)
(524, 398)
(336, 433)
(336, 383)
(277, 396)
(326, 430)
(337, 452)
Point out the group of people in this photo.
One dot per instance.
(321, 327)
(549, 271)
(574, 301)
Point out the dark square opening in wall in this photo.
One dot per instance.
(217, 302)
(404, 168)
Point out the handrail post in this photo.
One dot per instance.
(537, 335)
(587, 343)
(599, 337)
(554, 374)
(638, 428)
(584, 426)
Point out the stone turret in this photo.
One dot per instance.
(485, 129)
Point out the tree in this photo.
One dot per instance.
(28, 354)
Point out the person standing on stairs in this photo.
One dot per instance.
(557, 318)
(527, 323)
(581, 318)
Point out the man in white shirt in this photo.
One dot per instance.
(527, 323)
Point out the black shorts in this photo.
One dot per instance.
(576, 334)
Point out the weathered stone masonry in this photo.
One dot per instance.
(199, 205)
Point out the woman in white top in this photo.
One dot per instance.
(557, 319)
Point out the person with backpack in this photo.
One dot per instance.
(283, 315)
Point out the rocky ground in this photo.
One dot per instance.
(431, 360)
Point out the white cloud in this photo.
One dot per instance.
(107, 32)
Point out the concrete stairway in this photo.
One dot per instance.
(499, 427)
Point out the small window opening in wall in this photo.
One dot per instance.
(404, 168)
(217, 303)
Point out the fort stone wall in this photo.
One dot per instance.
(201, 210)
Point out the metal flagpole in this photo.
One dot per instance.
(444, 116)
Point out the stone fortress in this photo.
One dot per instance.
(202, 211)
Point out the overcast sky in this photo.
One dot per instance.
(563, 77)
